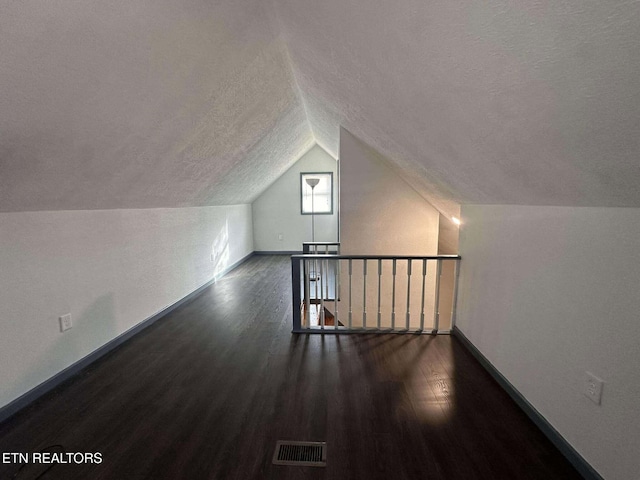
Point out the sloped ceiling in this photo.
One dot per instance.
(167, 103)
(134, 104)
(500, 102)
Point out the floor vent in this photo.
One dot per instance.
(305, 454)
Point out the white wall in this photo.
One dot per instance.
(110, 269)
(547, 293)
(380, 214)
(277, 210)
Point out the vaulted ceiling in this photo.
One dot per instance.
(134, 104)
(193, 102)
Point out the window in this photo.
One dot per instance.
(322, 201)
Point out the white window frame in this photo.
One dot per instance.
(323, 195)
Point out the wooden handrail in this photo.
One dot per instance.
(320, 243)
(376, 257)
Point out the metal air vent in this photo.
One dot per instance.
(309, 454)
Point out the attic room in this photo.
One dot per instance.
(150, 160)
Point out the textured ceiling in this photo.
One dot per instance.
(173, 103)
(140, 104)
(506, 102)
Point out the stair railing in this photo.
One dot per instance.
(316, 274)
(326, 248)
(385, 303)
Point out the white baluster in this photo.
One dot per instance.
(322, 281)
(424, 278)
(455, 293)
(350, 283)
(436, 313)
(364, 294)
(307, 291)
(336, 289)
(379, 283)
(393, 298)
(408, 291)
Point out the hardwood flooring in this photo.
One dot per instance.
(207, 391)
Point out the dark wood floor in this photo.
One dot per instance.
(205, 393)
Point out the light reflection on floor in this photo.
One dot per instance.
(430, 390)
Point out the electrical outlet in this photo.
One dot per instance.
(65, 322)
(593, 388)
(280, 236)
